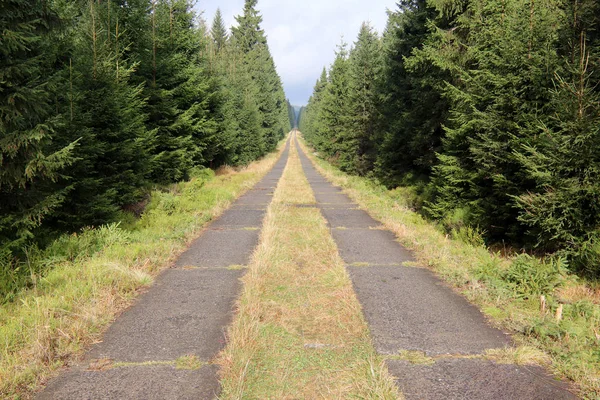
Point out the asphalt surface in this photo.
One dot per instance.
(185, 313)
(410, 309)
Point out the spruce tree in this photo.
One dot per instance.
(309, 117)
(218, 31)
(335, 134)
(106, 116)
(364, 97)
(293, 123)
(250, 39)
(241, 109)
(28, 165)
(503, 90)
(249, 34)
(411, 87)
(562, 211)
(179, 92)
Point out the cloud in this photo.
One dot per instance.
(303, 35)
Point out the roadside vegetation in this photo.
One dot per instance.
(299, 330)
(82, 281)
(486, 113)
(537, 300)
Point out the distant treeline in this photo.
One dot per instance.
(489, 111)
(101, 100)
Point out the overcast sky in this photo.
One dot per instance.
(303, 35)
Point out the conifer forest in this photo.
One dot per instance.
(485, 113)
(102, 100)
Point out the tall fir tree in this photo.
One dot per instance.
(28, 165)
(250, 39)
(106, 116)
(218, 32)
(411, 87)
(504, 89)
(364, 97)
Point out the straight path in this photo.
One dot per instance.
(162, 347)
(410, 309)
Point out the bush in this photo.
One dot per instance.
(584, 256)
(408, 196)
(469, 235)
(532, 277)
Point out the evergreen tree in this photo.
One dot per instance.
(180, 92)
(309, 122)
(248, 34)
(495, 109)
(293, 123)
(364, 98)
(411, 88)
(250, 39)
(563, 211)
(218, 31)
(106, 116)
(28, 166)
(336, 136)
(241, 113)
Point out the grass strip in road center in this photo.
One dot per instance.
(299, 330)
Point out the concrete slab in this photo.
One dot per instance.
(349, 218)
(270, 180)
(372, 246)
(334, 206)
(266, 186)
(411, 309)
(239, 218)
(185, 313)
(476, 379)
(254, 198)
(252, 207)
(216, 248)
(316, 182)
(135, 383)
(326, 190)
(268, 189)
(338, 198)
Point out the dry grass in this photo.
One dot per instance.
(521, 355)
(50, 325)
(575, 292)
(299, 331)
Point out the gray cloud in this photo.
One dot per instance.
(303, 35)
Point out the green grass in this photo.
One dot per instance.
(508, 290)
(88, 278)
